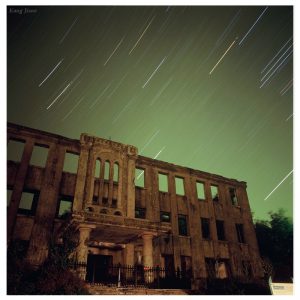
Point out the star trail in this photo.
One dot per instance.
(222, 57)
(248, 32)
(206, 87)
(50, 73)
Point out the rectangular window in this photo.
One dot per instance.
(240, 233)
(71, 163)
(205, 228)
(28, 203)
(163, 182)
(220, 230)
(140, 177)
(140, 213)
(214, 193)
(165, 216)
(39, 156)
(182, 225)
(200, 190)
(65, 207)
(179, 185)
(15, 150)
(233, 197)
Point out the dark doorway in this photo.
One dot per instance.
(186, 265)
(169, 265)
(176, 278)
(98, 267)
(186, 272)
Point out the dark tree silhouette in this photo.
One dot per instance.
(275, 239)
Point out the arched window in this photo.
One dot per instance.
(97, 168)
(116, 172)
(103, 211)
(118, 213)
(106, 170)
(96, 181)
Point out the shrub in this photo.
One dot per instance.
(58, 281)
(52, 278)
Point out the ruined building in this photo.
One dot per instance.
(130, 209)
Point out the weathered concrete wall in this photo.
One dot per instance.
(194, 209)
(92, 192)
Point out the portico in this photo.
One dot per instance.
(119, 237)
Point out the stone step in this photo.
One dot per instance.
(105, 290)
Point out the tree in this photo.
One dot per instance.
(275, 240)
(53, 277)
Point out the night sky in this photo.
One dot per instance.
(209, 88)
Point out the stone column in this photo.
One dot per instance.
(249, 232)
(130, 188)
(42, 229)
(152, 200)
(211, 209)
(197, 253)
(82, 249)
(120, 185)
(147, 250)
(174, 221)
(81, 173)
(129, 184)
(148, 257)
(129, 254)
(18, 188)
(90, 178)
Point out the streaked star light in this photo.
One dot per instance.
(207, 87)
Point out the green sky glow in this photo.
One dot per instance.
(140, 76)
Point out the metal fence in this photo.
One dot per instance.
(135, 276)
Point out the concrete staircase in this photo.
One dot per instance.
(107, 290)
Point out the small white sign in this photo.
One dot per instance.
(278, 288)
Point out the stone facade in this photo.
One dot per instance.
(177, 231)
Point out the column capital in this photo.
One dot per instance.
(86, 227)
(148, 235)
